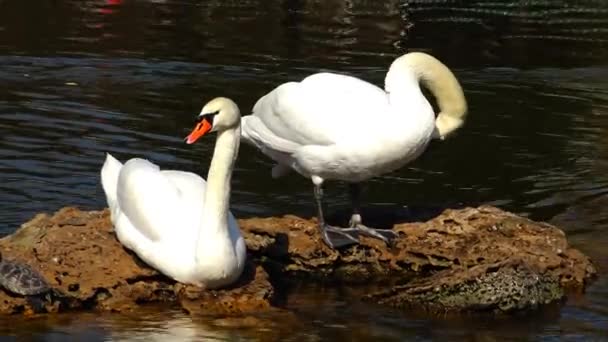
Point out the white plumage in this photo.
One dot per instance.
(175, 221)
(332, 126)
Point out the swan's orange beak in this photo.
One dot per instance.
(202, 127)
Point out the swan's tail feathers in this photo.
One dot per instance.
(280, 150)
(245, 136)
(109, 181)
(255, 132)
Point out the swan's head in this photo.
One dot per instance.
(217, 115)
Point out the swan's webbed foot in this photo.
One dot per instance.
(336, 237)
(386, 235)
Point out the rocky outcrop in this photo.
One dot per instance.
(80, 257)
(466, 259)
(469, 259)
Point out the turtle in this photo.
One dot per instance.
(21, 279)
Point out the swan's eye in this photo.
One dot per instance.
(208, 116)
(212, 113)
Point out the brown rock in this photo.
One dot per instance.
(466, 259)
(501, 287)
(453, 240)
(252, 293)
(79, 255)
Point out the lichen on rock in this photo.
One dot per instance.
(501, 288)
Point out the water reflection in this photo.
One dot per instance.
(84, 77)
(148, 324)
(172, 326)
(523, 33)
(311, 32)
(338, 320)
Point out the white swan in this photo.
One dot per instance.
(331, 126)
(174, 220)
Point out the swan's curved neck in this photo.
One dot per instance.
(217, 194)
(437, 78)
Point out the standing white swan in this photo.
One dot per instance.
(331, 126)
(174, 220)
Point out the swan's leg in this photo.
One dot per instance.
(334, 237)
(386, 235)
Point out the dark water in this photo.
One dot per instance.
(79, 78)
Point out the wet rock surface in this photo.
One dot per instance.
(452, 260)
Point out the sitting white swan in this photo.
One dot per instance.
(174, 220)
(331, 126)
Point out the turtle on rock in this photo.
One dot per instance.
(20, 279)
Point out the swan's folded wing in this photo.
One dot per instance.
(283, 116)
(323, 109)
(192, 190)
(149, 199)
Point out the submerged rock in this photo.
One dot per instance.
(467, 259)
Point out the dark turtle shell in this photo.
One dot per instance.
(21, 279)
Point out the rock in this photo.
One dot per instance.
(502, 287)
(466, 259)
(454, 239)
(79, 255)
(252, 293)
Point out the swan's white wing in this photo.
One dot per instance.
(149, 199)
(192, 189)
(323, 109)
(192, 194)
(190, 185)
